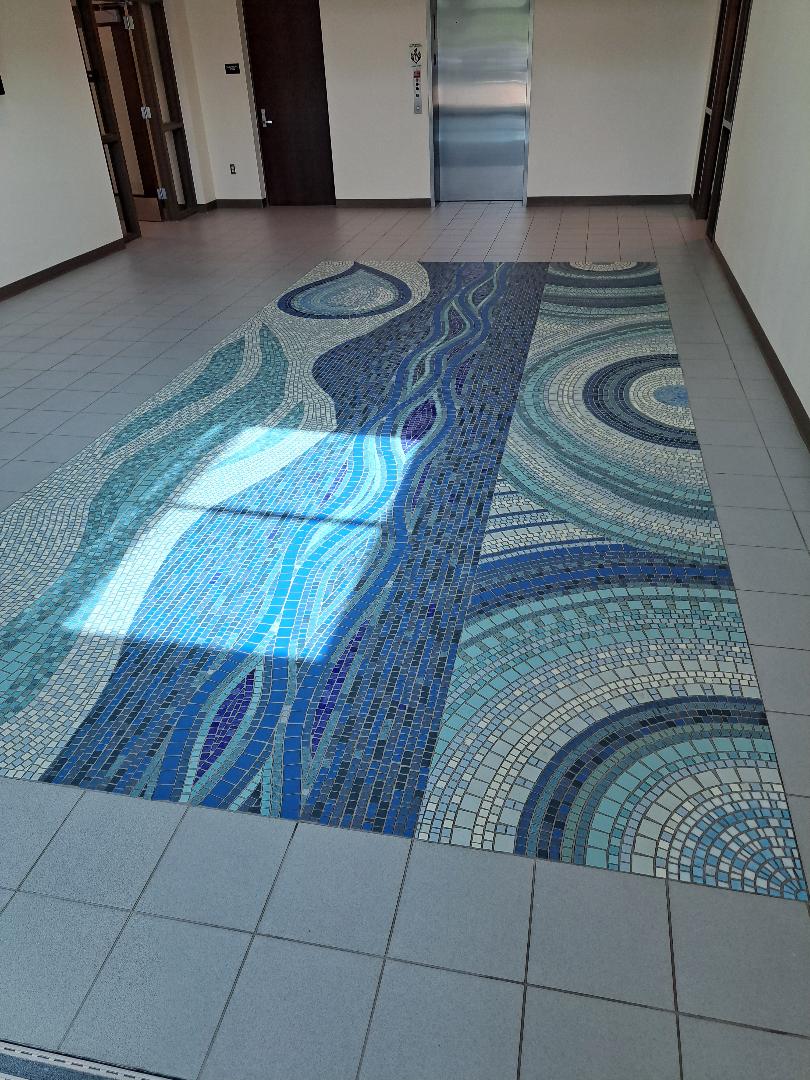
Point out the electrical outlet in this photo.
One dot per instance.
(233, 169)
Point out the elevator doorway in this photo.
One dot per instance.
(128, 57)
(481, 65)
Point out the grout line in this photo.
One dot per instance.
(245, 955)
(120, 933)
(526, 973)
(382, 965)
(58, 829)
(674, 978)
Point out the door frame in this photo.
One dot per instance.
(108, 122)
(159, 126)
(258, 122)
(433, 114)
(729, 49)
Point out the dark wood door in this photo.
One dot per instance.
(286, 61)
(732, 30)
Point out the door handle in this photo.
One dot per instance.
(264, 120)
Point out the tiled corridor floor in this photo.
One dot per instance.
(126, 923)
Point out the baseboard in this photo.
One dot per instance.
(792, 399)
(395, 203)
(50, 272)
(233, 204)
(608, 200)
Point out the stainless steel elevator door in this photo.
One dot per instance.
(481, 98)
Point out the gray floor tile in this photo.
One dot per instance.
(297, 1011)
(567, 1037)
(727, 433)
(582, 939)
(119, 402)
(700, 387)
(742, 957)
(71, 400)
(744, 460)
(720, 408)
(797, 489)
(754, 492)
(50, 952)
(430, 1024)
(8, 416)
(5, 896)
(767, 410)
(106, 850)
(791, 737)
(156, 1004)
(762, 386)
(13, 443)
(98, 381)
(784, 678)
(56, 448)
(218, 868)
(781, 433)
(791, 460)
(800, 813)
(23, 475)
(771, 570)
(727, 1052)
(328, 877)
(759, 528)
(53, 380)
(777, 619)
(24, 398)
(30, 814)
(442, 882)
(36, 422)
(88, 423)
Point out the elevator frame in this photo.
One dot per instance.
(432, 59)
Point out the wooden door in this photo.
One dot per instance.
(289, 84)
(724, 82)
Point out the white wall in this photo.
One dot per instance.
(380, 148)
(763, 229)
(618, 93)
(56, 200)
(217, 108)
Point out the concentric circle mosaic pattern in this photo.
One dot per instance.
(424, 549)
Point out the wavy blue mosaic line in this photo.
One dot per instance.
(421, 549)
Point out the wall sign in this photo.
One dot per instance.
(231, 69)
(415, 51)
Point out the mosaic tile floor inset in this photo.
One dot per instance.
(426, 549)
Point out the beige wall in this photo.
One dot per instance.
(618, 91)
(380, 148)
(56, 200)
(764, 224)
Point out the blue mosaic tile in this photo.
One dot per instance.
(603, 708)
(424, 549)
